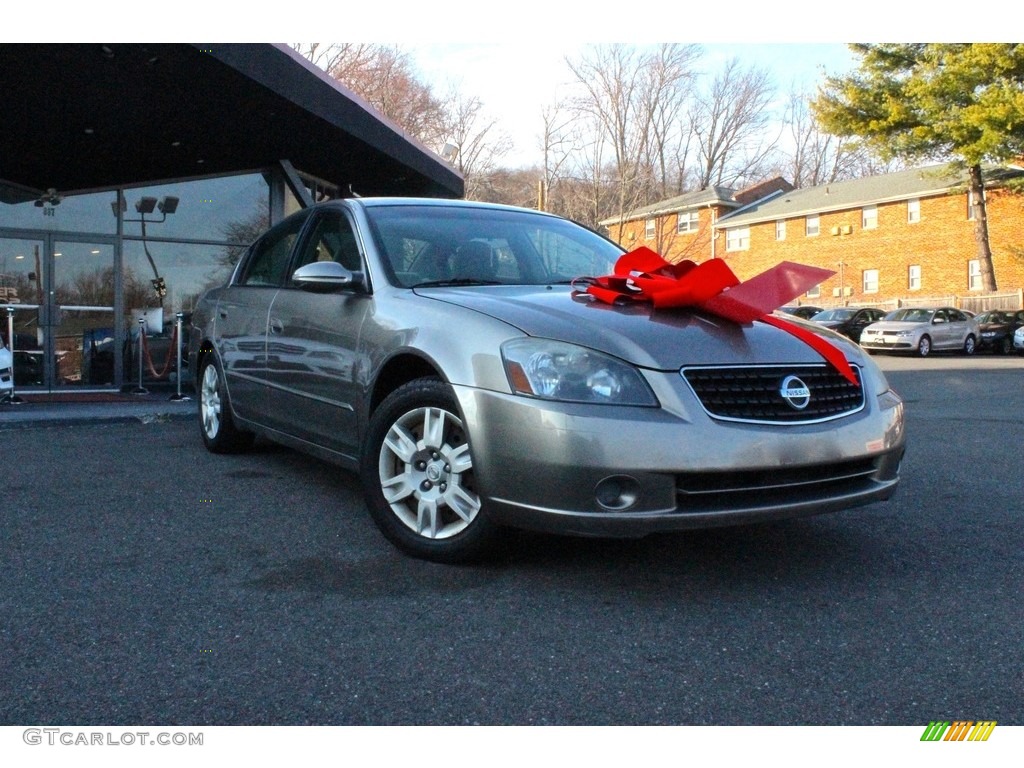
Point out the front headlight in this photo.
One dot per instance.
(872, 378)
(555, 370)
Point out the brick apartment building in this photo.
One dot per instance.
(902, 237)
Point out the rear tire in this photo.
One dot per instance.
(220, 435)
(970, 345)
(417, 475)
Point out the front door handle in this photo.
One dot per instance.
(276, 326)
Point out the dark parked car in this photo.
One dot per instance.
(803, 311)
(997, 327)
(849, 321)
(438, 347)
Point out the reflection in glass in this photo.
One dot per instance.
(206, 209)
(83, 319)
(74, 213)
(21, 284)
(188, 271)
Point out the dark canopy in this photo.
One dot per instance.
(91, 116)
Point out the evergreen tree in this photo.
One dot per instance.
(956, 102)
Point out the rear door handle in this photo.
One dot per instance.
(276, 326)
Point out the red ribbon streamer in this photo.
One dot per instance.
(643, 275)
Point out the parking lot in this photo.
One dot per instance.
(147, 582)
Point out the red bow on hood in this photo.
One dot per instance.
(643, 275)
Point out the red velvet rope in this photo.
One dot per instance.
(171, 352)
(643, 275)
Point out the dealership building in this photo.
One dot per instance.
(132, 176)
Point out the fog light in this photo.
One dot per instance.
(617, 493)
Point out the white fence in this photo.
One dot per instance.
(975, 302)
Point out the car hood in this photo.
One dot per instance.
(638, 333)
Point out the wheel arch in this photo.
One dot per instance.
(396, 371)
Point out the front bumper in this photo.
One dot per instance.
(624, 471)
(890, 344)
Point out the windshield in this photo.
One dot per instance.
(911, 315)
(993, 317)
(458, 245)
(835, 314)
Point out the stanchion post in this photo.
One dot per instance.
(177, 343)
(141, 390)
(12, 398)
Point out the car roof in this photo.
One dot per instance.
(374, 202)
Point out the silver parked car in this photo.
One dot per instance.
(438, 348)
(923, 330)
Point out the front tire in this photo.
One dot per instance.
(924, 346)
(220, 435)
(417, 474)
(970, 345)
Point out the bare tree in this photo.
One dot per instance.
(384, 76)
(479, 139)
(668, 77)
(731, 121)
(635, 97)
(817, 157)
(611, 79)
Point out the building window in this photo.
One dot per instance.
(913, 211)
(814, 293)
(813, 226)
(970, 203)
(914, 277)
(649, 229)
(974, 275)
(780, 229)
(688, 222)
(870, 281)
(737, 239)
(869, 217)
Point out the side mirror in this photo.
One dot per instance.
(326, 277)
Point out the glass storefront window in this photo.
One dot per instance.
(184, 272)
(231, 208)
(74, 213)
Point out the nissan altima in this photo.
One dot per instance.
(445, 351)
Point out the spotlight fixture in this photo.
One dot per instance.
(50, 197)
(168, 205)
(145, 205)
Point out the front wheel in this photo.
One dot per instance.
(417, 474)
(924, 346)
(970, 345)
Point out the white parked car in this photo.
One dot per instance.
(6, 371)
(922, 330)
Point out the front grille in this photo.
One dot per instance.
(718, 491)
(754, 394)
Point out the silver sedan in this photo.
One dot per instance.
(438, 348)
(923, 330)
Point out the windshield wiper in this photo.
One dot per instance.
(455, 281)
